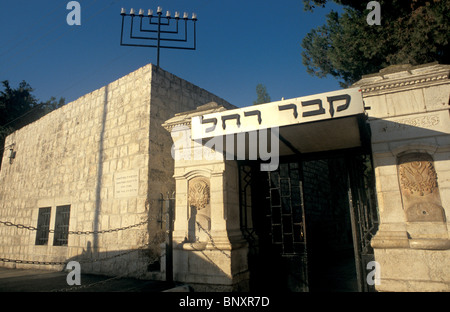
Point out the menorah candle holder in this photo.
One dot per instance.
(172, 32)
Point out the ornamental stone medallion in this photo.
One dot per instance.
(200, 212)
(419, 188)
(199, 193)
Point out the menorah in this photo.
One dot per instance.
(167, 29)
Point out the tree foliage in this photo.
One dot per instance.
(346, 47)
(19, 107)
(262, 96)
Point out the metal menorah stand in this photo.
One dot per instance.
(166, 28)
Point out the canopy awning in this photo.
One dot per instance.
(316, 123)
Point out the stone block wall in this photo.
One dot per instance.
(326, 205)
(410, 123)
(71, 157)
(210, 253)
(170, 95)
(107, 156)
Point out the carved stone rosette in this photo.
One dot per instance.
(199, 193)
(200, 211)
(419, 188)
(417, 174)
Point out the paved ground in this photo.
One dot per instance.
(29, 280)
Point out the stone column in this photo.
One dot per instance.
(209, 252)
(410, 124)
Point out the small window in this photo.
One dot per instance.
(61, 226)
(43, 226)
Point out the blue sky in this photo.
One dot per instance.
(239, 44)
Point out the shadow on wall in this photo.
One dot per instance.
(100, 167)
(206, 267)
(148, 264)
(412, 134)
(142, 263)
(410, 147)
(419, 139)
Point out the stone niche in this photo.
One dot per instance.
(419, 188)
(199, 224)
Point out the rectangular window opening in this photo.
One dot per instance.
(61, 225)
(43, 226)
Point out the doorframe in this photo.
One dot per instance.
(358, 205)
(364, 214)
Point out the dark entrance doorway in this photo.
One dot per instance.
(309, 223)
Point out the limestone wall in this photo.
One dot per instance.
(72, 156)
(210, 253)
(410, 124)
(107, 156)
(326, 206)
(170, 95)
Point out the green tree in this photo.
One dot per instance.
(19, 107)
(261, 94)
(346, 47)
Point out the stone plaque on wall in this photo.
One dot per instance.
(126, 184)
(419, 188)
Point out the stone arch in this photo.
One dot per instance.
(414, 148)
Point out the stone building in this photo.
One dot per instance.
(99, 163)
(358, 198)
(340, 191)
(410, 124)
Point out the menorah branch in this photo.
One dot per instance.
(167, 29)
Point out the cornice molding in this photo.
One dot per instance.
(405, 79)
(395, 85)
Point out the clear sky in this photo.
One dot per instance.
(239, 44)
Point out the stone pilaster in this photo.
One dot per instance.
(209, 250)
(410, 123)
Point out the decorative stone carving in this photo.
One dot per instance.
(419, 188)
(200, 212)
(199, 193)
(410, 123)
(417, 174)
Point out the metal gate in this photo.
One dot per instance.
(277, 233)
(166, 215)
(272, 215)
(364, 214)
